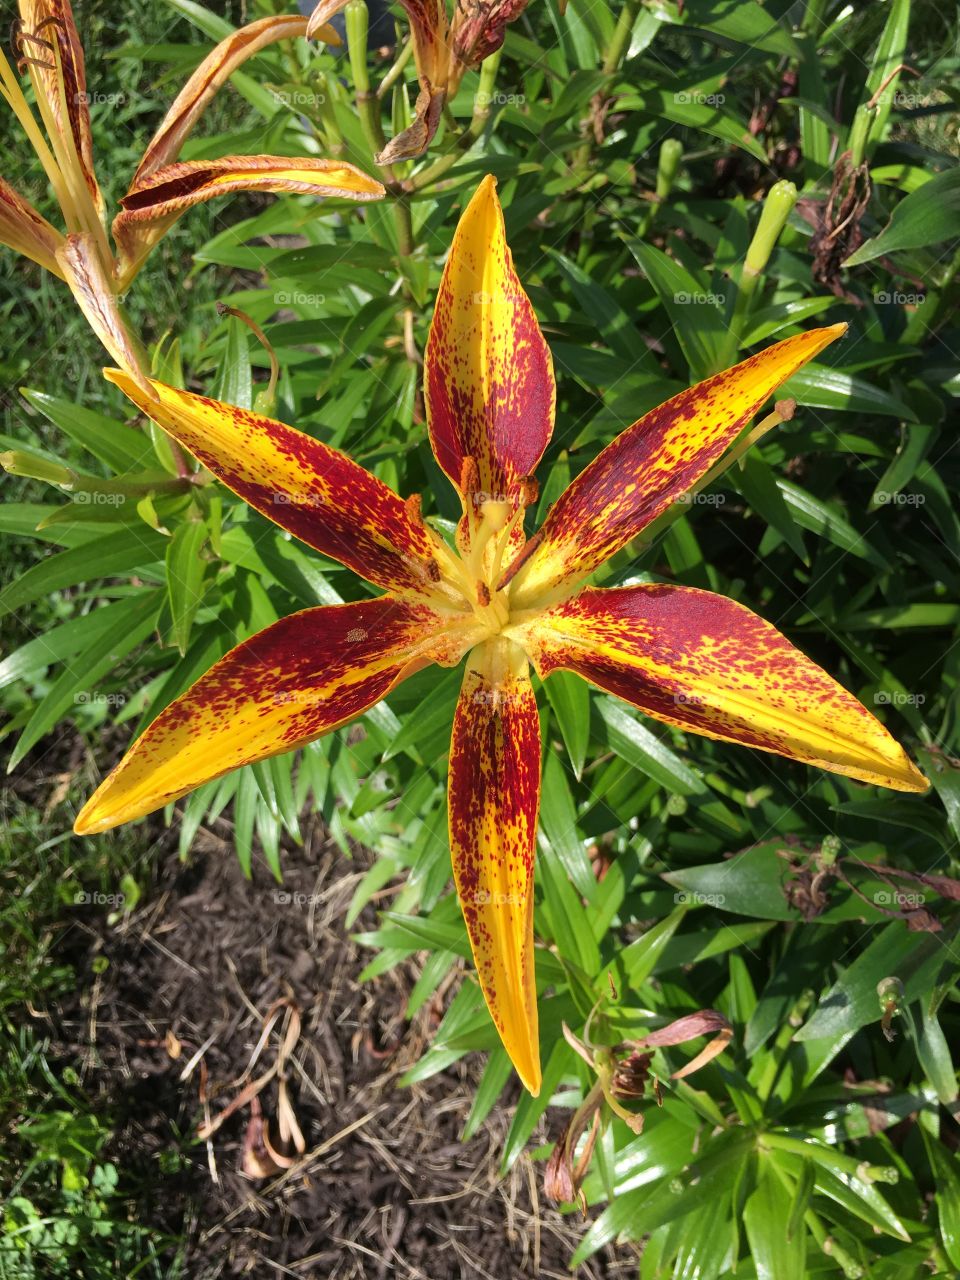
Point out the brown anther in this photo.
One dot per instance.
(483, 594)
(469, 477)
(630, 1075)
(18, 37)
(414, 509)
(528, 491)
(785, 409)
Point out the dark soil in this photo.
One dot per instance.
(385, 1187)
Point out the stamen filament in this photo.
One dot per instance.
(14, 97)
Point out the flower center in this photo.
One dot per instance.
(488, 537)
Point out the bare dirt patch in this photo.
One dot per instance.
(385, 1187)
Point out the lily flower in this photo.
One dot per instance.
(444, 49)
(687, 657)
(48, 47)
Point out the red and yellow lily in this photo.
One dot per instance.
(444, 49)
(48, 47)
(684, 656)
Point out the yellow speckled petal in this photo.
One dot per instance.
(488, 374)
(317, 493)
(650, 465)
(706, 664)
(282, 688)
(494, 794)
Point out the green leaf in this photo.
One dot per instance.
(185, 571)
(120, 447)
(116, 553)
(852, 1001)
(569, 698)
(775, 1254)
(947, 1197)
(235, 381)
(745, 21)
(925, 217)
(697, 319)
(131, 621)
(645, 751)
(822, 387)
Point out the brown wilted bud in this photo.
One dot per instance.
(563, 1177)
(630, 1075)
(557, 1174)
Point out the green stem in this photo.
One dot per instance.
(620, 40)
(397, 69)
(406, 241)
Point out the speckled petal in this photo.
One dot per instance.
(284, 687)
(23, 229)
(650, 465)
(150, 209)
(213, 72)
(488, 374)
(494, 793)
(704, 663)
(317, 493)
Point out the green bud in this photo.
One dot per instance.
(667, 165)
(830, 850)
(265, 402)
(18, 463)
(781, 198)
(358, 22)
(848, 1265)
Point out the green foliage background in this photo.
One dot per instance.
(841, 528)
